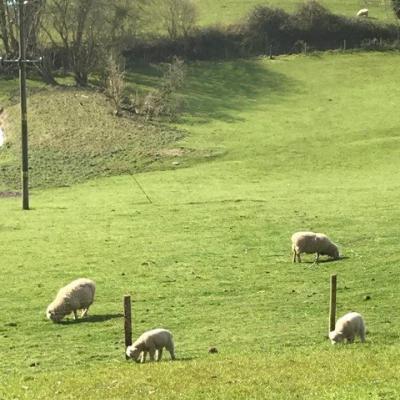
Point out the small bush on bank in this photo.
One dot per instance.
(165, 100)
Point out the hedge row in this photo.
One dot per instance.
(266, 30)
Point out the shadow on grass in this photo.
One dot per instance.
(220, 90)
(165, 359)
(92, 319)
(328, 260)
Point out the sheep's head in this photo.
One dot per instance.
(133, 352)
(335, 253)
(336, 337)
(52, 314)
(331, 251)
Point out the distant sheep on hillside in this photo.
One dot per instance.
(362, 13)
(77, 295)
(347, 328)
(149, 342)
(310, 242)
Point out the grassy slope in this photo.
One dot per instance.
(305, 143)
(88, 140)
(228, 11)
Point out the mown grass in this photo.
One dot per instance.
(231, 11)
(304, 143)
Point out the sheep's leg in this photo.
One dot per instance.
(159, 354)
(152, 352)
(294, 255)
(170, 348)
(350, 339)
(316, 258)
(362, 335)
(144, 355)
(298, 257)
(84, 312)
(75, 315)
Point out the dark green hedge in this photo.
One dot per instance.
(268, 29)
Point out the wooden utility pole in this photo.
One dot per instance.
(24, 117)
(127, 322)
(332, 304)
(22, 61)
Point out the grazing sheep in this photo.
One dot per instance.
(149, 342)
(77, 295)
(310, 242)
(348, 327)
(363, 12)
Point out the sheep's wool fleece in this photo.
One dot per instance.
(78, 294)
(351, 323)
(159, 337)
(310, 242)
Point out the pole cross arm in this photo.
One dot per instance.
(19, 61)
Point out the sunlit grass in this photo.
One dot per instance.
(300, 143)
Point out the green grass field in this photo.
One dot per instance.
(297, 143)
(230, 11)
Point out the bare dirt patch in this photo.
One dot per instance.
(175, 152)
(9, 194)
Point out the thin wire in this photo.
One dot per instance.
(141, 188)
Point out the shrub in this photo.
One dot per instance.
(201, 44)
(165, 101)
(396, 8)
(115, 83)
(213, 43)
(323, 30)
(178, 17)
(266, 26)
(317, 26)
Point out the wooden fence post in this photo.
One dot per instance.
(332, 304)
(127, 322)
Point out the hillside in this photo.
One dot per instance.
(230, 11)
(303, 143)
(74, 136)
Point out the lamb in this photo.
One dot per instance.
(348, 327)
(149, 342)
(310, 242)
(362, 13)
(77, 295)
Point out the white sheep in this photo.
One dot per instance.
(310, 242)
(362, 13)
(348, 327)
(149, 342)
(77, 295)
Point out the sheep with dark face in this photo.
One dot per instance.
(149, 342)
(77, 295)
(347, 328)
(310, 243)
